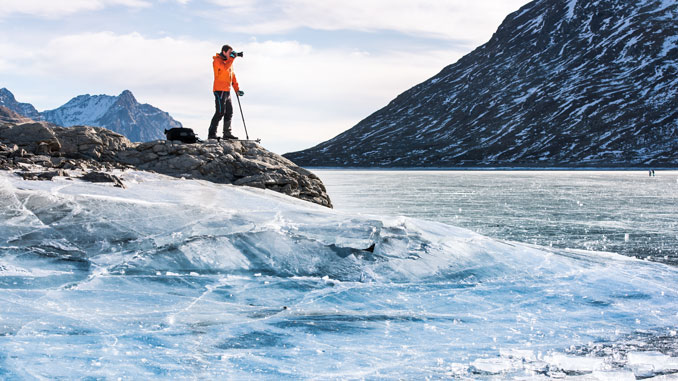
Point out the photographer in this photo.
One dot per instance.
(223, 78)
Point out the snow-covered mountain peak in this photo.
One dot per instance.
(82, 110)
(122, 114)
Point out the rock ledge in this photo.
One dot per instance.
(25, 144)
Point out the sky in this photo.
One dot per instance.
(311, 68)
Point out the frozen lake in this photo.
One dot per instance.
(172, 279)
(626, 212)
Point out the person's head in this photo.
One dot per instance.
(226, 50)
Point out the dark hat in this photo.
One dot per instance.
(225, 48)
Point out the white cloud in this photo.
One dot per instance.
(129, 58)
(471, 20)
(56, 9)
(293, 91)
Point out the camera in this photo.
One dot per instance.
(236, 54)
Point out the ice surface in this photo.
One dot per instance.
(649, 363)
(591, 210)
(187, 279)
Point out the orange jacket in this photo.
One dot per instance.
(223, 74)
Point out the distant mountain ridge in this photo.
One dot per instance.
(122, 114)
(25, 109)
(83, 109)
(561, 83)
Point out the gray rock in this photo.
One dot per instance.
(186, 162)
(160, 148)
(91, 142)
(30, 136)
(130, 157)
(86, 148)
(102, 177)
(58, 161)
(149, 156)
(42, 175)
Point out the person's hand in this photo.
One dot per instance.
(241, 93)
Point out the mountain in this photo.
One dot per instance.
(10, 116)
(560, 83)
(26, 109)
(122, 114)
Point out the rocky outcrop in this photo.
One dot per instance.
(228, 162)
(27, 145)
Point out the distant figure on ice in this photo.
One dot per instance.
(223, 78)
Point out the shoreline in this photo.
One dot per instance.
(507, 169)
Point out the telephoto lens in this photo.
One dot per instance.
(234, 54)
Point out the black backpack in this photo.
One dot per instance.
(184, 135)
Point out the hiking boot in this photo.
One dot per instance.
(229, 136)
(212, 137)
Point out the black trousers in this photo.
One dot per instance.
(223, 109)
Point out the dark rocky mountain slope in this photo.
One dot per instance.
(588, 83)
(25, 109)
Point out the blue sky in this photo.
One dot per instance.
(312, 69)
